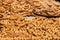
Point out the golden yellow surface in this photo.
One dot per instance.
(16, 25)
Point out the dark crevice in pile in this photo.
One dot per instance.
(57, 0)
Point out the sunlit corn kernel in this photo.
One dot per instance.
(30, 18)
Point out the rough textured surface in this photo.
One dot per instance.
(16, 22)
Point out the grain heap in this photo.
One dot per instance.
(17, 21)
